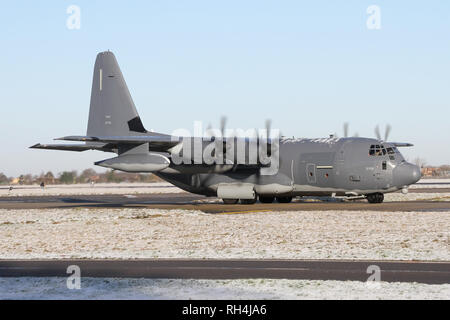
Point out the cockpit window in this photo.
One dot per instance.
(377, 150)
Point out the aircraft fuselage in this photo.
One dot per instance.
(316, 167)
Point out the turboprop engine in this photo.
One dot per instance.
(148, 162)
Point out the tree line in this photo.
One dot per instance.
(73, 177)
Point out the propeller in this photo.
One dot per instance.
(223, 122)
(346, 131)
(386, 132)
(377, 132)
(268, 125)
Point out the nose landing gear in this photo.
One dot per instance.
(375, 197)
(230, 201)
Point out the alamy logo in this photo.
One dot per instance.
(374, 20)
(74, 280)
(227, 147)
(375, 276)
(73, 21)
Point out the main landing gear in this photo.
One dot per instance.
(265, 199)
(284, 199)
(375, 197)
(235, 201)
(268, 199)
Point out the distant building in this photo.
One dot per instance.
(435, 171)
(48, 178)
(93, 179)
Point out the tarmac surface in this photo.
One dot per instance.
(195, 202)
(390, 271)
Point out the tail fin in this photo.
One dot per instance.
(112, 111)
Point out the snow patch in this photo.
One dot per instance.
(153, 233)
(124, 288)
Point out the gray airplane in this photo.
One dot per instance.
(287, 167)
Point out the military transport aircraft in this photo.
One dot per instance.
(236, 168)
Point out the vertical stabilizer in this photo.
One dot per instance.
(112, 111)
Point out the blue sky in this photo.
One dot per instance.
(307, 65)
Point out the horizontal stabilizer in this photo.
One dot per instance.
(157, 141)
(67, 147)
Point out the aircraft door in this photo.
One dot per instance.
(381, 174)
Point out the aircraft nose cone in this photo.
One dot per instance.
(405, 174)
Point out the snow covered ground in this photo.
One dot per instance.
(87, 189)
(114, 288)
(441, 196)
(432, 183)
(154, 233)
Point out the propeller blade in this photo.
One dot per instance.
(268, 124)
(223, 122)
(386, 133)
(345, 129)
(377, 132)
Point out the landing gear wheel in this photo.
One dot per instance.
(266, 199)
(248, 201)
(284, 199)
(230, 201)
(375, 197)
